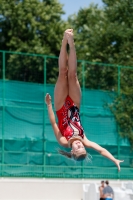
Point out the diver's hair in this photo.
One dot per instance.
(65, 153)
(81, 157)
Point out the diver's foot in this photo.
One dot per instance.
(70, 39)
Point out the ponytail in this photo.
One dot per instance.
(65, 153)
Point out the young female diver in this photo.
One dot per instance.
(67, 96)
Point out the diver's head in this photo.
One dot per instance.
(78, 150)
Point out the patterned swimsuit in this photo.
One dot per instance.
(69, 120)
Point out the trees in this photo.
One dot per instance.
(30, 26)
(120, 14)
(105, 35)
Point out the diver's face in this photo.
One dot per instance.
(77, 147)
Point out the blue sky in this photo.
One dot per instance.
(73, 6)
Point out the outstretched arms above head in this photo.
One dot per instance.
(61, 140)
(102, 151)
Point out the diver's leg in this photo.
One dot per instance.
(61, 87)
(74, 86)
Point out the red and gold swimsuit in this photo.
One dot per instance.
(69, 120)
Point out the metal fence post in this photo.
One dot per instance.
(44, 117)
(3, 111)
(83, 105)
(118, 139)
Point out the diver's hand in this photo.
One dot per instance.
(117, 162)
(48, 99)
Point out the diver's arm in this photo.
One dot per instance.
(61, 140)
(51, 113)
(102, 151)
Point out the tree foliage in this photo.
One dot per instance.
(30, 26)
(120, 14)
(122, 108)
(105, 35)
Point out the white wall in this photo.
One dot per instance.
(40, 189)
(45, 189)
